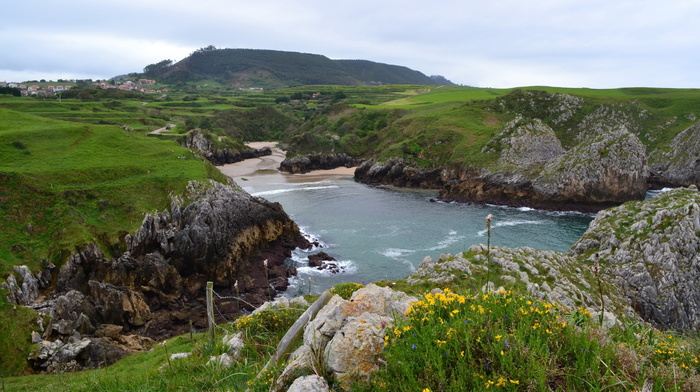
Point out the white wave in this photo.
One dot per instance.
(450, 239)
(655, 192)
(390, 231)
(399, 255)
(396, 253)
(346, 267)
(312, 238)
(287, 190)
(510, 223)
(303, 184)
(535, 210)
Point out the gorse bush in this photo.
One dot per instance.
(452, 342)
(345, 290)
(268, 324)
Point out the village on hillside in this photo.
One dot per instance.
(42, 89)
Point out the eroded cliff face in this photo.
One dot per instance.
(559, 152)
(311, 162)
(156, 287)
(651, 250)
(398, 172)
(214, 152)
(679, 165)
(534, 170)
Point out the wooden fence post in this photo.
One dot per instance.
(294, 333)
(210, 309)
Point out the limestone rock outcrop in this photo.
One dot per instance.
(547, 275)
(679, 165)
(203, 143)
(24, 291)
(608, 168)
(602, 171)
(651, 250)
(398, 172)
(311, 162)
(560, 152)
(346, 337)
(524, 143)
(156, 287)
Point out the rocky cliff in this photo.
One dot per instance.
(602, 171)
(556, 153)
(311, 162)
(156, 287)
(651, 250)
(219, 153)
(398, 172)
(679, 165)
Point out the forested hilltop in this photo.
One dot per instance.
(275, 69)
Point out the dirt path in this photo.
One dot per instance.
(161, 130)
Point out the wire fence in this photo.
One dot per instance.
(214, 311)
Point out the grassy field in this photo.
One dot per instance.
(68, 184)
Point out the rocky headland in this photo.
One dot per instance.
(535, 170)
(398, 172)
(102, 308)
(560, 153)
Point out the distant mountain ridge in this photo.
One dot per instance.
(271, 68)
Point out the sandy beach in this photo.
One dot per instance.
(268, 165)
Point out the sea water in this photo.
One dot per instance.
(378, 233)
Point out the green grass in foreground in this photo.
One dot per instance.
(448, 342)
(155, 371)
(507, 341)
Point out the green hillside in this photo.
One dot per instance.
(65, 184)
(447, 125)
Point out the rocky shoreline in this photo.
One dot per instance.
(103, 308)
(203, 144)
(308, 163)
(556, 154)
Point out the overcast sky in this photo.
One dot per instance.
(491, 43)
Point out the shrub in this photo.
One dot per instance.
(452, 342)
(345, 290)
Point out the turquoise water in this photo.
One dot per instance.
(382, 233)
